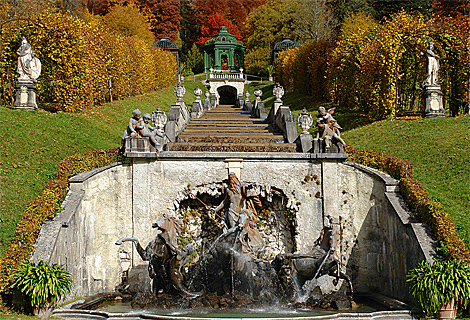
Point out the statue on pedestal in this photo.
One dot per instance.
(29, 69)
(432, 66)
(29, 66)
(432, 94)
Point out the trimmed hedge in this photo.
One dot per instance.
(45, 207)
(426, 210)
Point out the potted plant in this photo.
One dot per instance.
(441, 287)
(270, 69)
(44, 284)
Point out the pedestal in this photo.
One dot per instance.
(433, 102)
(25, 96)
(305, 142)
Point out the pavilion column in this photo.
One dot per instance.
(217, 59)
(207, 62)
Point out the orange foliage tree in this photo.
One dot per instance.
(214, 23)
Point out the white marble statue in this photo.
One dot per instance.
(29, 66)
(432, 66)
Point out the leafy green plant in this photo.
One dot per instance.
(433, 285)
(45, 284)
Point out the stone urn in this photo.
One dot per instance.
(180, 91)
(305, 121)
(258, 93)
(198, 92)
(159, 119)
(278, 91)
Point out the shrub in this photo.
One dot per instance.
(45, 284)
(433, 285)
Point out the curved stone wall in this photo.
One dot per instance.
(379, 241)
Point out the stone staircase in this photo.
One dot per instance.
(227, 128)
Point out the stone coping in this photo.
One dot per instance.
(91, 314)
(237, 155)
(88, 174)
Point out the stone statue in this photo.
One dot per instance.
(165, 258)
(328, 127)
(432, 66)
(239, 204)
(295, 269)
(146, 130)
(131, 131)
(29, 66)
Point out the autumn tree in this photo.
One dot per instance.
(98, 7)
(386, 8)
(268, 24)
(129, 21)
(165, 17)
(344, 8)
(214, 23)
(315, 21)
(452, 8)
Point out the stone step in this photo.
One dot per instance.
(231, 147)
(230, 139)
(231, 134)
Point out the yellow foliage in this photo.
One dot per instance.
(129, 21)
(84, 63)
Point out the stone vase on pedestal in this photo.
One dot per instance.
(25, 96)
(433, 102)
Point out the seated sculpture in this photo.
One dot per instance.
(146, 130)
(295, 269)
(140, 127)
(165, 258)
(328, 127)
(131, 130)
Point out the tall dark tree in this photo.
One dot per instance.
(386, 8)
(99, 7)
(344, 8)
(452, 8)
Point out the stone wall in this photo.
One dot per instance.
(379, 242)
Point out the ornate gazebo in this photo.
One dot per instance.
(284, 45)
(223, 52)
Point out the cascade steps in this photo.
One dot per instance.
(227, 128)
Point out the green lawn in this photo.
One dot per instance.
(438, 148)
(33, 143)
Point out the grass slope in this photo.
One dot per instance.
(33, 143)
(438, 148)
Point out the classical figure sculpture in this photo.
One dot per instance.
(294, 269)
(146, 130)
(238, 197)
(29, 66)
(165, 258)
(131, 131)
(328, 127)
(432, 66)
